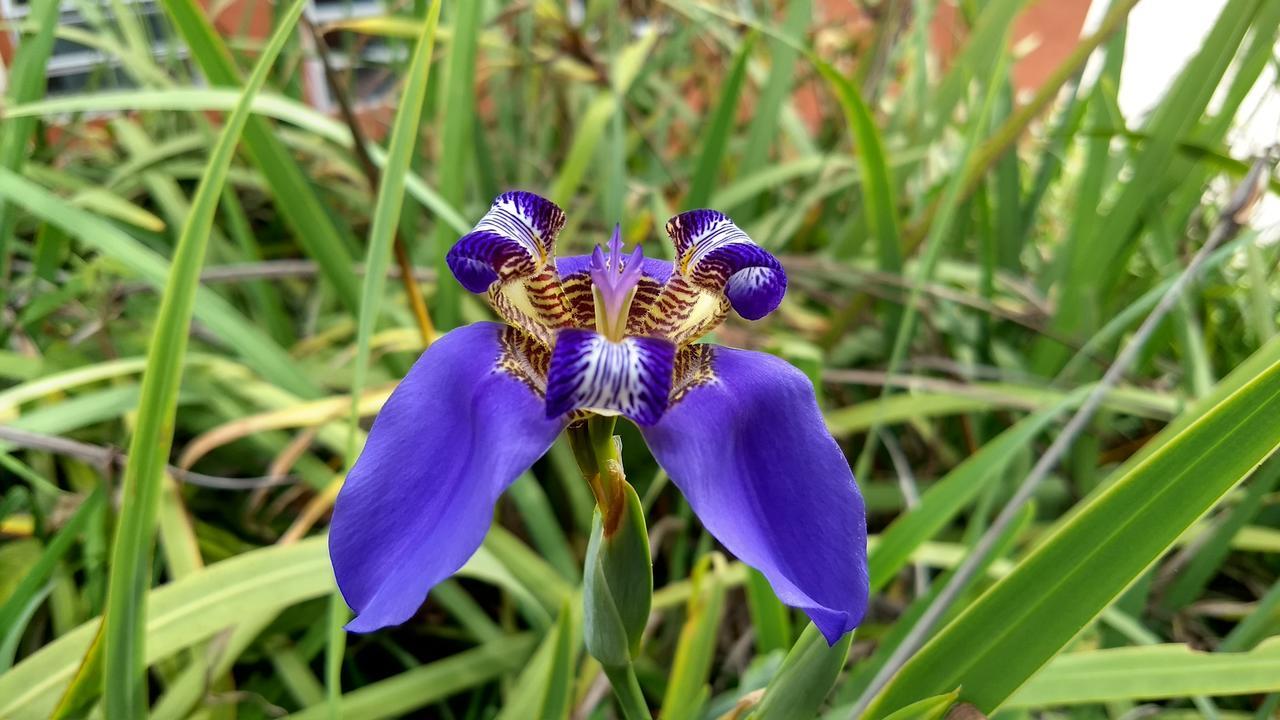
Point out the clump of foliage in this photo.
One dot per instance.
(210, 287)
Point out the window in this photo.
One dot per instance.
(77, 68)
(323, 11)
(369, 64)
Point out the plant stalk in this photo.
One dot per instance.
(627, 689)
(601, 465)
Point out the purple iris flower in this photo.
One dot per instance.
(609, 333)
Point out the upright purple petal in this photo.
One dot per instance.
(747, 446)
(455, 433)
(615, 276)
(513, 240)
(715, 254)
(655, 269)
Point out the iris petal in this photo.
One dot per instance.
(590, 372)
(747, 446)
(654, 269)
(510, 257)
(416, 505)
(717, 267)
(575, 279)
(716, 254)
(514, 238)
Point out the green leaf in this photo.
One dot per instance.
(541, 581)
(85, 687)
(1251, 630)
(268, 104)
(770, 618)
(718, 129)
(1176, 116)
(865, 670)
(185, 612)
(939, 229)
(543, 526)
(1026, 618)
(977, 60)
(258, 350)
(188, 688)
(930, 708)
(1192, 579)
(687, 689)
(420, 686)
(877, 181)
(617, 586)
(386, 210)
(130, 576)
(805, 678)
(948, 496)
(180, 614)
(110, 205)
(924, 403)
(32, 579)
(591, 128)
(763, 131)
(1150, 672)
(545, 688)
(26, 82)
(295, 197)
(457, 109)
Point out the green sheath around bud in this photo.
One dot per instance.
(618, 583)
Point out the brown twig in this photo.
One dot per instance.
(416, 302)
(108, 458)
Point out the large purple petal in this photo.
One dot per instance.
(747, 446)
(454, 434)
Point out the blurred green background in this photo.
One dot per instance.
(208, 213)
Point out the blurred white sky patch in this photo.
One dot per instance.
(1163, 36)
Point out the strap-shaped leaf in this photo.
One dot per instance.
(1029, 616)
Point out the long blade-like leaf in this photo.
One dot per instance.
(386, 211)
(295, 197)
(125, 616)
(1022, 622)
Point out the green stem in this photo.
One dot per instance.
(627, 689)
(598, 459)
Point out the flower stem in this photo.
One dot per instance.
(601, 465)
(618, 577)
(627, 689)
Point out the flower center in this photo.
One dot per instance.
(614, 278)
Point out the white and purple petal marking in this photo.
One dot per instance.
(514, 239)
(716, 254)
(590, 372)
